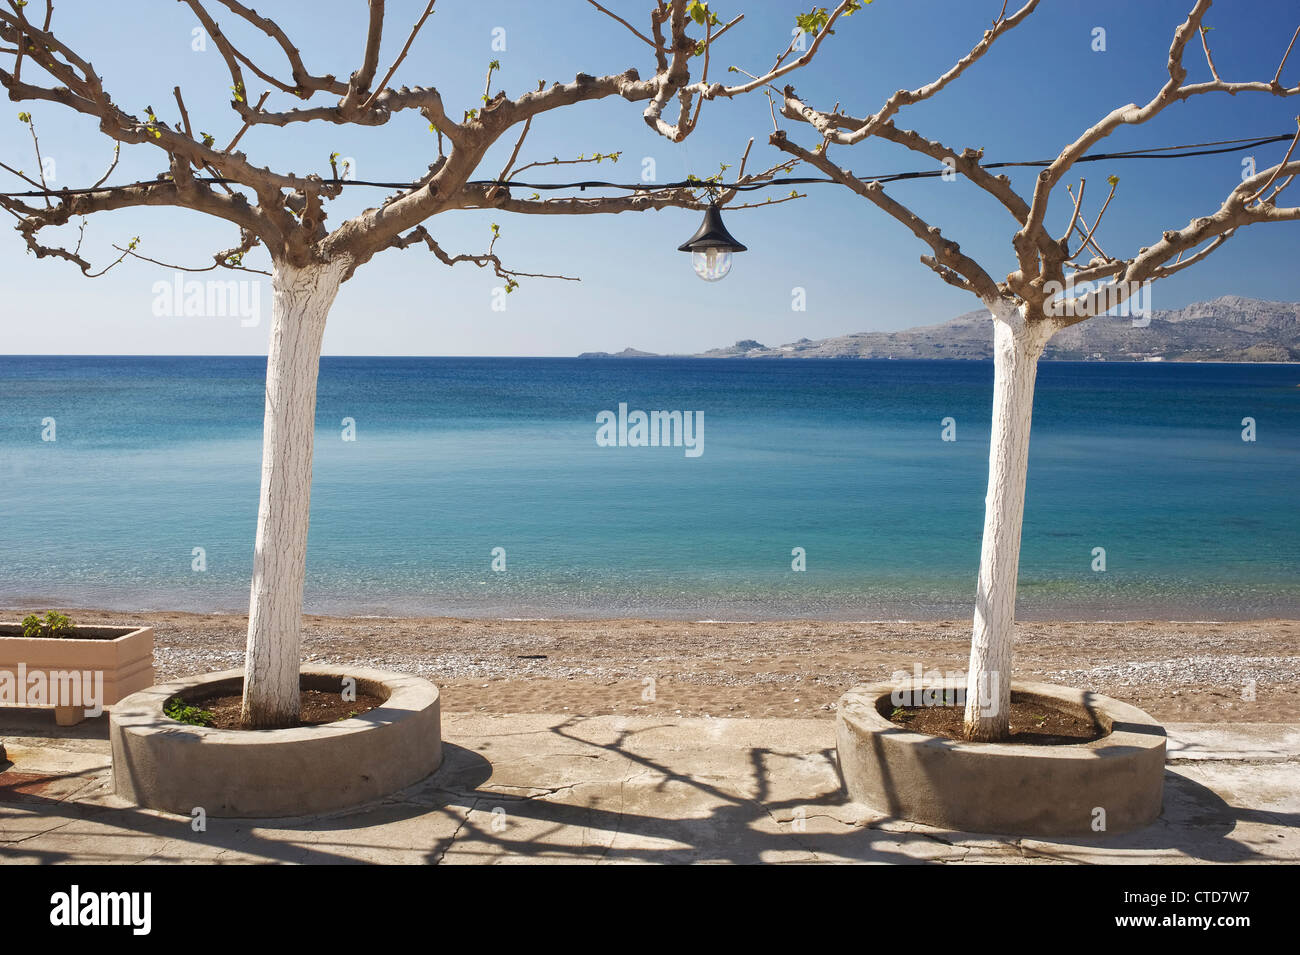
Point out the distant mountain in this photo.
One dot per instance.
(625, 353)
(1230, 328)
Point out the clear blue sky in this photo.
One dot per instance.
(1038, 88)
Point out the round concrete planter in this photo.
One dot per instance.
(1013, 789)
(162, 764)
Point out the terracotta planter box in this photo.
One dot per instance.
(94, 669)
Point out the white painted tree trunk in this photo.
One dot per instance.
(301, 300)
(1017, 345)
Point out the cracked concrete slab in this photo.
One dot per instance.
(536, 788)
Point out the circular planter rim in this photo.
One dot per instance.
(1023, 789)
(162, 764)
(1130, 726)
(142, 712)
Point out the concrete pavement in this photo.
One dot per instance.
(552, 788)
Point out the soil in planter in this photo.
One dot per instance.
(78, 632)
(1032, 722)
(318, 707)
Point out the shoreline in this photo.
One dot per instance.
(521, 612)
(11, 612)
(1178, 671)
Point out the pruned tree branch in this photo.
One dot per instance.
(948, 261)
(1042, 259)
(231, 259)
(284, 210)
(1212, 231)
(845, 130)
(482, 260)
(1033, 236)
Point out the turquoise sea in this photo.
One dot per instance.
(453, 457)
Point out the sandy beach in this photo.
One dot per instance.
(1176, 671)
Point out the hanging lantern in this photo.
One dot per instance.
(711, 246)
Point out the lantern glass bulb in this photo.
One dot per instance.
(711, 264)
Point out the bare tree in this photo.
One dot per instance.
(1027, 306)
(286, 213)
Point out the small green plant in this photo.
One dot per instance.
(182, 712)
(899, 713)
(55, 624)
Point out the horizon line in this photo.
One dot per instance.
(736, 359)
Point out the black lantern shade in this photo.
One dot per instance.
(712, 234)
(711, 246)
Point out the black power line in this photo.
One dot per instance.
(1156, 152)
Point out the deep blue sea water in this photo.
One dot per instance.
(453, 457)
